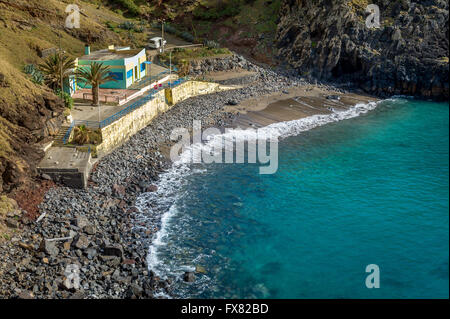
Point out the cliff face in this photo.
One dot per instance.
(21, 127)
(329, 40)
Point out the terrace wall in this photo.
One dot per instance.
(122, 129)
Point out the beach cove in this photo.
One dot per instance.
(119, 221)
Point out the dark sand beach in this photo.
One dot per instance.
(293, 104)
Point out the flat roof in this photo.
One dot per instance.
(107, 55)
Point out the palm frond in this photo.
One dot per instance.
(55, 66)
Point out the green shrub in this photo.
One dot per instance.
(187, 36)
(182, 55)
(212, 44)
(110, 25)
(170, 29)
(223, 10)
(36, 75)
(128, 25)
(129, 5)
(68, 100)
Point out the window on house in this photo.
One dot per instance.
(130, 74)
(117, 75)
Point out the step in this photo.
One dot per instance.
(58, 140)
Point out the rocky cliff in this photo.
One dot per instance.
(407, 54)
(23, 125)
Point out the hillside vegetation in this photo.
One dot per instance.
(246, 26)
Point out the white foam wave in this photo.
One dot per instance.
(215, 144)
(171, 182)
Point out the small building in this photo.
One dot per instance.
(126, 65)
(157, 43)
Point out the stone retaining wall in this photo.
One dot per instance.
(121, 130)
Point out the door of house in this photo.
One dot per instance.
(136, 76)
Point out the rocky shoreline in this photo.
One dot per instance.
(93, 232)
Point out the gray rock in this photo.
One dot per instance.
(189, 276)
(112, 261)
(49, 248)
(333, 97)
(81, 221)
(91, 253)
(46, 177)
(26, 295)
(78, 295)
(135, 291)
(90, 230)
(81, 242)
(12, 223)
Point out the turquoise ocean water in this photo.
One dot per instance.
(372, 189)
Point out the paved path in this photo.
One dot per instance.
(87, 112)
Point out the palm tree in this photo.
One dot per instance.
(57, 66)
(96, 75)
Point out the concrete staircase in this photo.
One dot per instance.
(58, 141)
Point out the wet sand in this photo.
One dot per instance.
(293, 104)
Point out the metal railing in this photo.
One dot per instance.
(69, 131)
(148, 80)
(138, 103)
(135, 105)
(174, 67)
(89, 124)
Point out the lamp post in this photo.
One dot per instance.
(170, 68)
(99, 103)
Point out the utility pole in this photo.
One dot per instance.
(61, 65)
(170, 68)
(162, 34)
